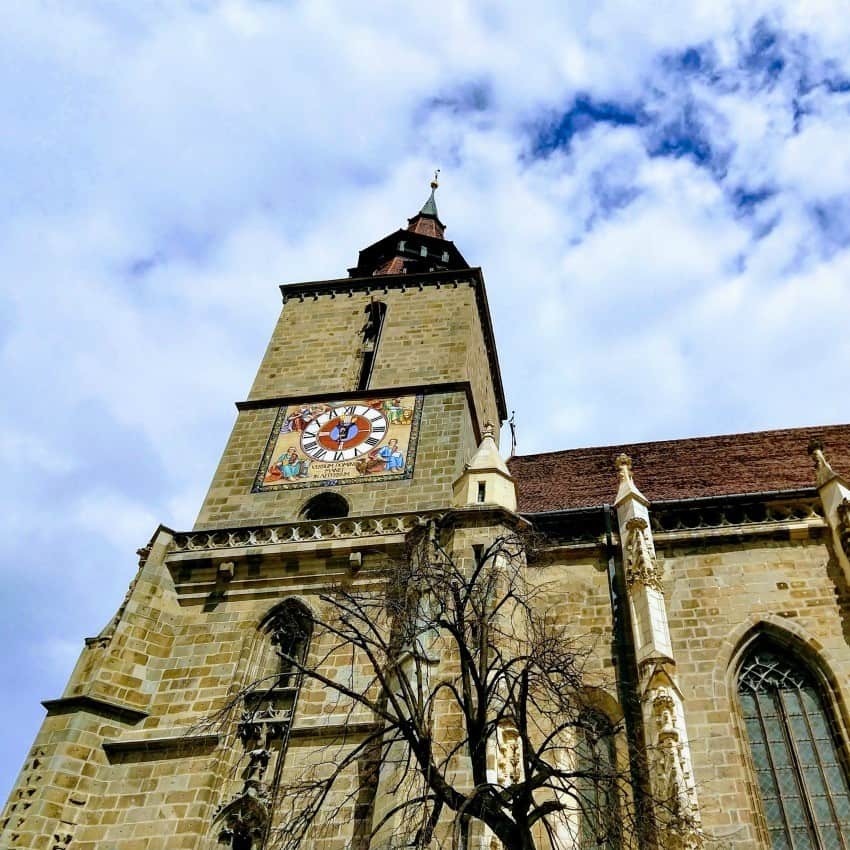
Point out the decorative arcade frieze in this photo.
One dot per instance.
(305, 531)
(736, 514)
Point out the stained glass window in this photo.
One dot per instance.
(803, 782)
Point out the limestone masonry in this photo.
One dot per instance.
(710, 577)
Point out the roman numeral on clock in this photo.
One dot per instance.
(379, 427)
(373, 441)
(338, 456)
(309, 445)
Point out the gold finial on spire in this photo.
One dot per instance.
(435, 182)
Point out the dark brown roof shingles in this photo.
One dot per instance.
(732, 464)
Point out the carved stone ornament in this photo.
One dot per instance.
(823, 471)
(244, 820)
(257, 727)
(664, 711)
(293, 533)
(678, 811)
(843, 513)
(258, 761)
(624, 467)
(508, 755)
(642, 566)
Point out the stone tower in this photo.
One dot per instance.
(372, 396)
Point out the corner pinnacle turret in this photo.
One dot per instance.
(420, 247)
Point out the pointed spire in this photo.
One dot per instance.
(427, 221)
(487, 457)
(627, 482)
(486, 479)
(430, 206)
(421, 247)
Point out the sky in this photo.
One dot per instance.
(659, 196)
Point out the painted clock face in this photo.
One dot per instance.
(344, 433)
(326, 443)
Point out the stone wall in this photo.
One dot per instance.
(717, 595)
(431, 335)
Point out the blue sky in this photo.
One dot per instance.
(659, 196)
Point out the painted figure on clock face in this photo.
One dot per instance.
(392, 456)
(341, 442)
(387, 458)
(300, 416)
(288, 466)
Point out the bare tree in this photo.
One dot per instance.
(467, 708)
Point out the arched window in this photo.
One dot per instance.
(796, 752)
(325, 506)
(289, 628)
(597, 788)
(269, 702)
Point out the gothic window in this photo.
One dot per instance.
(325, 506)
(289, 629)
(597, 787)
(263, 729)
(796, 753)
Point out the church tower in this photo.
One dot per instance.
(395, 366)
(374, 393)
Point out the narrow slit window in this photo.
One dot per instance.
(482, 492)
(375, 312)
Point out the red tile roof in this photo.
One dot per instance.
(395, 265)
(427, 226)
(679, 469)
